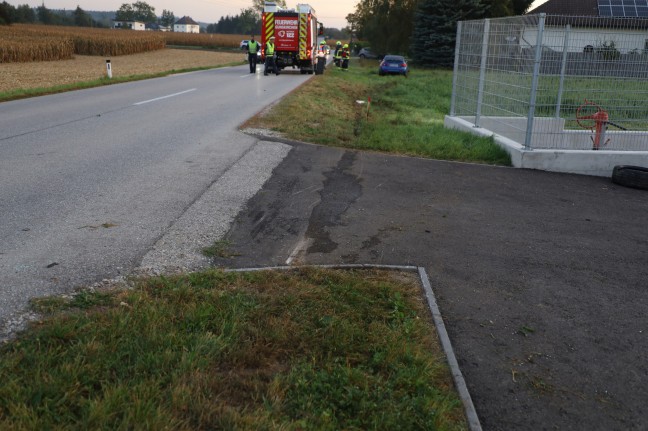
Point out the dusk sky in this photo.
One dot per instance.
(331, 12)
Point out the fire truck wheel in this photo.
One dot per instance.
(631, 176)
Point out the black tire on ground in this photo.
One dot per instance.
(631, 176)
(321, 63)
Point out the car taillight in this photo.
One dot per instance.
(403, 65)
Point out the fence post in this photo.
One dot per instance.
(534, 82)
(482, 71)
(456, 70)
(562, 70)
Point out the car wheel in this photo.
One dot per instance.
(631, 176)
(362, 56)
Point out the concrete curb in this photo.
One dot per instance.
(457, 376)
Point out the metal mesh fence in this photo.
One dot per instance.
(555, 82)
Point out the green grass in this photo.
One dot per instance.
(405, 115)
(509, 94)
(306, 350)
(219, 249)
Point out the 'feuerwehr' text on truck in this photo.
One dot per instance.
(295, 32)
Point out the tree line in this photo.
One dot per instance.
(424, 29)
(25, 14)
(248, 21)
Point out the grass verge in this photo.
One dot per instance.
(404, 116)
(310, 350)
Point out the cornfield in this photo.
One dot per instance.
(21, 43)
(204, 40)
(28, 48)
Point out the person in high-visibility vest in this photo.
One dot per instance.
(337, 55)
(270, 62)
(346, 53)
(320, 65)
(252, 49)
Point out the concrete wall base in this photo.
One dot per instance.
(585, 162)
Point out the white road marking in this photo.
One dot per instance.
(164, 97)
(248, 74)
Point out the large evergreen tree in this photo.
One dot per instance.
(501, 8)
(7, 13)
(82, 18)
(386, 24)
(435, 29)
(25, 13)
(46, 16)
(520, 7)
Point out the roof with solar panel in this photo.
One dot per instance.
(595, 13)
(602, 8)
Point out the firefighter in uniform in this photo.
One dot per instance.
(270, 57)
(321, 58)
(252, 49)
(337, 55)
(346, 53)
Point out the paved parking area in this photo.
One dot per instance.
(541, 277)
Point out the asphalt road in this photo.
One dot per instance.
(91, 180)
(540, 277)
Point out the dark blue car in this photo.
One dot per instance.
(393, 65)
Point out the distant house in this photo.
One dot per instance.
(594, 23)
(153, 26)
(186, 25)
(130, 25)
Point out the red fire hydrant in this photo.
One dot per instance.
(601, 120)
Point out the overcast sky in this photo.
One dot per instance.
(331, 12)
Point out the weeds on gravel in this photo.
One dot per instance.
(309, 349)
(360, 109)
(219, 249)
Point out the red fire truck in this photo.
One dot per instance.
(295, 32)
